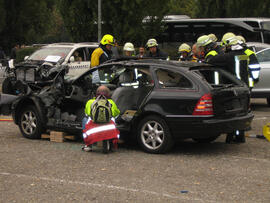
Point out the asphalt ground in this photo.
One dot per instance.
(44, 171)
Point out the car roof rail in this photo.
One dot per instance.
(129, 58)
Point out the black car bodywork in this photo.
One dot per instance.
(160, 102)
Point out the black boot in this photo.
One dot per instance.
(240, 138)
(229, 138)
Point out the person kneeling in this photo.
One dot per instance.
(99, 123)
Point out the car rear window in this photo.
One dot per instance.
(171, 79)
(217, 77)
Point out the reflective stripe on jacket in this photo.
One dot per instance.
(96, 132)
(209, 54)
(254, 65)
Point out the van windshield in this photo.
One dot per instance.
(50, 54)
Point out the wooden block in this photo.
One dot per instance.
(56, 136)
(45, 136)
(70, 137)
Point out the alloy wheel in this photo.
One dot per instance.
(29, 122)
(152, 135)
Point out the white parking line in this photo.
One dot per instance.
(113, 187)
(249, 158)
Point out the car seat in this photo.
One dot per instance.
(123, 96)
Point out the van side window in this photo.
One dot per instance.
(171, 79)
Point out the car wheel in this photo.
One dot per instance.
(154, 135)
(268, 101)
(206, 140)
(30, 123)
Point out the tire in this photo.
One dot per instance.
(268, 101)
(30, 123)
(206, 140)
(106, 146)
(154, 135)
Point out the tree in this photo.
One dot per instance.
(80, 19)
(183, 7)
(121, 18)
(232, 8)
(25, 22)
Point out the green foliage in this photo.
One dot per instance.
(232, 8)
(21, 53)
(47, 21)
(179, 7)
(80, 19)
(25, 21)
(122, 18)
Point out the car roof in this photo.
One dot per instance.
(73, 45)
(236, 21)
(176, 64)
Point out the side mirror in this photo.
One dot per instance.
(71, 59)
(26, 57)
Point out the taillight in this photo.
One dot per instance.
(204, 106)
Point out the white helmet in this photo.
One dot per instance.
(128, 47)
(151, 43)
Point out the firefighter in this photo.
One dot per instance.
(217, 47)
(103, 52)
(208, 46)
(128, 49)
(225, 39)
(154, 51)
(254, 65)
(234, 61)
(185, 52)
(197, 53)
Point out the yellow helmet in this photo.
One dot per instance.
(213, 37)
(107, 39)
(241, 38)
(227, 37)
(184, 47)
(151, 43)
(204, 40)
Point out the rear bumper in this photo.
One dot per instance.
(229, 125)
(207, 127)
(257, 93)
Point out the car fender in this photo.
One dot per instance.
(147, 110)
(28, 100)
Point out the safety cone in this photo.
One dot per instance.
(266, 131)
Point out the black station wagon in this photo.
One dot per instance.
(160, 102)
